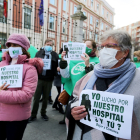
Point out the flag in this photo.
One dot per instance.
(41, 11)
(5, 7)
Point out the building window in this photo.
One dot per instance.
(27, 18)
(97, 23)
(107, 15)
(64, 5)
(2, 17)
(91, 3)
(51, 22)
(91, 20)
(52, 2)
(3, 39)
(64, 26)
(102, 26)
(106, 27)
(103, 12)
(84, 34)
(90, 34)
(96, 38)
(97, 8)
(75, 9)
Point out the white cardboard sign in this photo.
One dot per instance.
(5, 50)
(74, 50)
(11, 74)
(47, 64)
(108, 112)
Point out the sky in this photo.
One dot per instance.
(126, 12)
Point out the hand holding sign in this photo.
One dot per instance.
(108, 112)
(4, 86)
(63, 54)
(86, 59)
(78, 112)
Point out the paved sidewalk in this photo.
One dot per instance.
(46, 130)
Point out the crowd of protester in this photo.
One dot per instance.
(104, 72)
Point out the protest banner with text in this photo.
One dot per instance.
(74, 50)
(11, 74)
(108, 112)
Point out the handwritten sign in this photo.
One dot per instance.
(4, 50)
(47, 64)
(74, 50)
(108, 112)
(12, 75)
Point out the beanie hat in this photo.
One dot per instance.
(19, 39)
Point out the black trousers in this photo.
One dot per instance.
(56, 102)
(12, 130)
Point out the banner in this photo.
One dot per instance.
(47, 64)
(108, 112)
(11, 74)
(74, 50)
(5, 4)
(41, 13)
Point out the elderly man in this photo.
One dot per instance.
(115, 73)
(50, 59)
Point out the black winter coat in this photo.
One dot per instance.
(54, 64)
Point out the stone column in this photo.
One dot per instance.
(78, 18)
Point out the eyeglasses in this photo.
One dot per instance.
(110, 45)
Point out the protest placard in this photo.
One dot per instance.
(11, 74)
(4, 50)
(74, 50)
(47, 64)
(108, 112)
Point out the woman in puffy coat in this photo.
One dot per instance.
(15, 103)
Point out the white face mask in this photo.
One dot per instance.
(107, 57)
(15, 51)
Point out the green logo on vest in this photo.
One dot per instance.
(80, 67)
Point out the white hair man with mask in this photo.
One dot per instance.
(50, 59)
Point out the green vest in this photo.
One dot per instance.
(137, 64)
(77, 71)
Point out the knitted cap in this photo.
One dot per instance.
(19, 39)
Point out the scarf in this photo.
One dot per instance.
(92, 54)
(126, 72)
(46, 56)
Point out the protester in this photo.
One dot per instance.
(69, 78)
(66, 69)
(136, 58)
(15, 103)
(45, 80)
(115, 73)
(57, 82)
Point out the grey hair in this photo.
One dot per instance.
(49, 40)
(121, 37)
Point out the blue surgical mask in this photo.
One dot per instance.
(48, 48)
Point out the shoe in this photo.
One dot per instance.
(62, 122)
(31, 119)
(55, 107)
(50, 100)
(45, 117)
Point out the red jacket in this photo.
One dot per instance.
(15, 103)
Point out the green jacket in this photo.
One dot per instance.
(77, 71)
